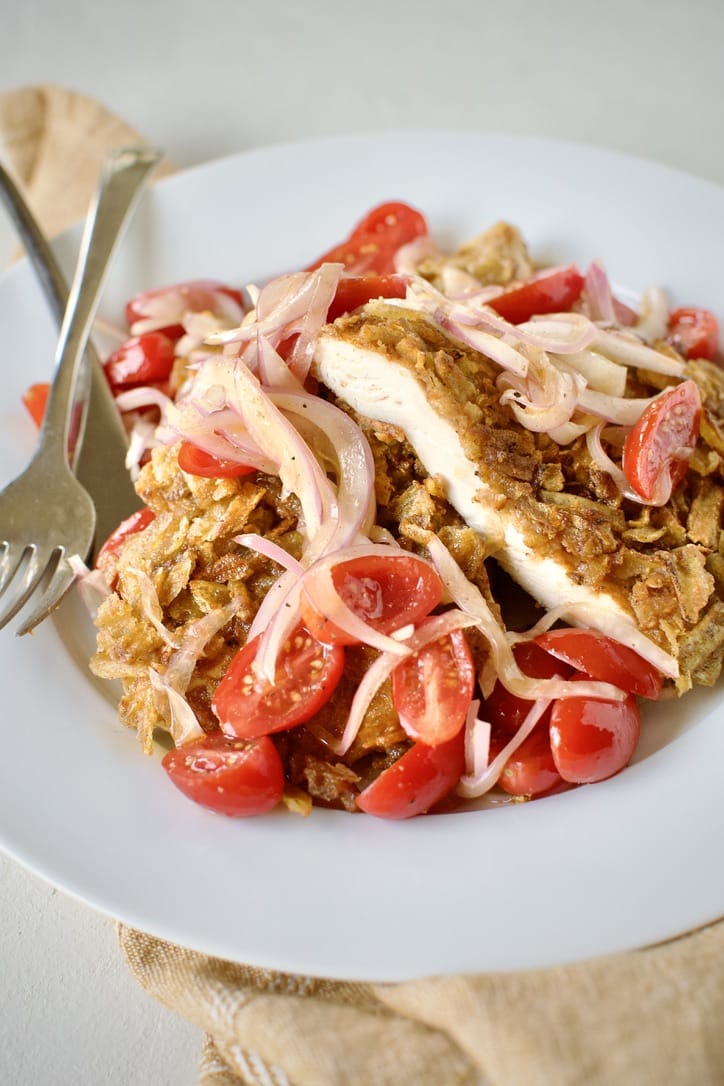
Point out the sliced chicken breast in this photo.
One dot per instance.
(554, 536)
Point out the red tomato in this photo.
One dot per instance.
(604, 659)
(354, 291)
(236, 777)
(307, 673)
(35, 399)
(694, 332)
(198, 295)
(432, 690)
(551, 291)
(656, 447)
(592, 739)
(504, 711)
(372, 245)
(530, 770)
(140, 361)
(194, 461)
(416, 781)
(387, 592)
(393, 219)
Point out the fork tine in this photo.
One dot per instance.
(56, 585)
(4, 563)
(36, 574)
(12, 559)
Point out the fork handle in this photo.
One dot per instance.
(123, 175)
(55, 288)
(36, 246)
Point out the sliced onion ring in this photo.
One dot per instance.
(472, 787)
(471, 601)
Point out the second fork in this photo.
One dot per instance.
(46, 516)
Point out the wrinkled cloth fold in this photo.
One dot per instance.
(53, 141)
(646, 1018)
(649, 1017)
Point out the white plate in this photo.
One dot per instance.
(600, 869)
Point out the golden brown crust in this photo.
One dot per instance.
(189, 554)
(497, 256)
(663, 566)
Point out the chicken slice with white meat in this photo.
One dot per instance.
(550, 518)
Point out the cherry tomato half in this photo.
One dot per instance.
(432, 690)
(141, 360)
(35, 399)
(387, 592)
(307, 673)
(592, 739)
(355, 290)
(392, 219)
(551, 291)
(372, 245)
(694, 332)
(235, 777)
(505, 712)
(654, 452)
(195, 461)
(416, 781)
(603, 659)
(530, 770)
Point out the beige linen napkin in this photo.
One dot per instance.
(647, 1018)
(53, 141)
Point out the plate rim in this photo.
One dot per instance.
(401, 966)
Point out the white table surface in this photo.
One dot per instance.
(203, 80)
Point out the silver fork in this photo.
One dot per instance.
(99, 460)
(46, 515)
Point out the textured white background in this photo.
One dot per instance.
(205, 79)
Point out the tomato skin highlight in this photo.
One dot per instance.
(307, 674)
(195, 461)
(592, 739)
(668, 427)
(386, 592)
(530, 770)
(551, 291)
(694, 332)
(140, 360)
(432, 689)
(418, 780)
(603, 659)
(372, 245)
(392, 219)
(235, 777)
(355, 290)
